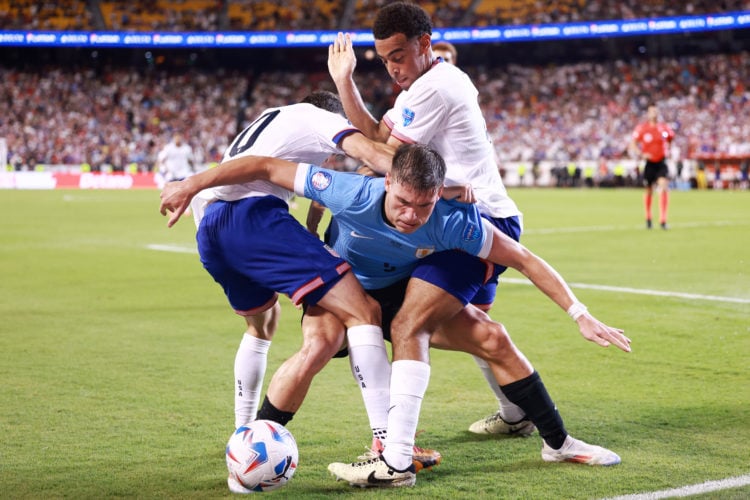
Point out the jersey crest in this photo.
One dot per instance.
(471, 232)
(408, 116)
(421, 253)
(321, 180)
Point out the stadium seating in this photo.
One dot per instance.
(255, 15)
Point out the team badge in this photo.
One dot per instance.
(320, 180)
(424, 252)
(408, 116)
(471, 232)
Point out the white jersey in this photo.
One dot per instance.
(441, 110)
(175, 161)
(301, 133)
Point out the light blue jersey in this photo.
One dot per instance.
(378, 253)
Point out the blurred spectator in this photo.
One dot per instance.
(175, 160)
(584, 111)
(270, 15)
(446, 50)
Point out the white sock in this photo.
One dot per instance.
(371, 369)
(249, 369)
(409, 380)
(510, 412)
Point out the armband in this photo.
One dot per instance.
(576, 310)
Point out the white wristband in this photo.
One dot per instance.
(576, 310)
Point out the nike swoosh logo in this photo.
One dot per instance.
(355, 234)
(372, 479)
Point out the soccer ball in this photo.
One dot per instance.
(262, 455)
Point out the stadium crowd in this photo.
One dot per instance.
(115, 119)
(560, 113)
(269, 15)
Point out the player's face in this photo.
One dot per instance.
(447, 56)
(405, 59)
(406, 209)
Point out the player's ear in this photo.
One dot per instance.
(387, 181)
(425, 43)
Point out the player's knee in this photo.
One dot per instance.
(366, 312)
(496, 343)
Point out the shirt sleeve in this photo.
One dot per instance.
(484, 252)
(336, 190)
(300, 178)
(418, 117)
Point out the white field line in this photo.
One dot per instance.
(695, 489)
(172, 248)
(640, 291)
(521, 281)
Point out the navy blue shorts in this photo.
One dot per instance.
(466, 277)
(390, 299)
(254, 248)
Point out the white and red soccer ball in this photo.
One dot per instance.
(262, 455)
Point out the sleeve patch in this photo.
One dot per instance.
(471, 232)
(407, 115)
(320, 181)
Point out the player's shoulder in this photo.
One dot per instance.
(454, 208)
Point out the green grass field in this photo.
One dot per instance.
(116, 358)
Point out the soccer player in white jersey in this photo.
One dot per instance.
(384, 226)
(255, 249)
(175, 161)
(437, 106)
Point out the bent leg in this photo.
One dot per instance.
(425, 307)
(322, 336)
(474, 332)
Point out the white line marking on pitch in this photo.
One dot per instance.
(518, 281)
(695, 489)
(640, 291)
(171, 248)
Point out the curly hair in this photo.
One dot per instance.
(401, 17)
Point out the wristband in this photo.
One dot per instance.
(576, 310)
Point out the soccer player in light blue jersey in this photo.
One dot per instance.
(384, 226)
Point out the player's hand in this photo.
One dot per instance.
(175, 199)
(365, 170)
(463, 193)
(341, 58)
(594, 330)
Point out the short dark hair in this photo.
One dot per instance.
(418, 167)
(401, 17)
(324, 99)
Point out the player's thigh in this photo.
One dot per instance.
(426, 306)
(470, 330)
(349, 302)
(323, 330)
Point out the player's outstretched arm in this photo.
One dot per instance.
(507, 252)
(376, 155)
(176, 196)
(341, 64)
